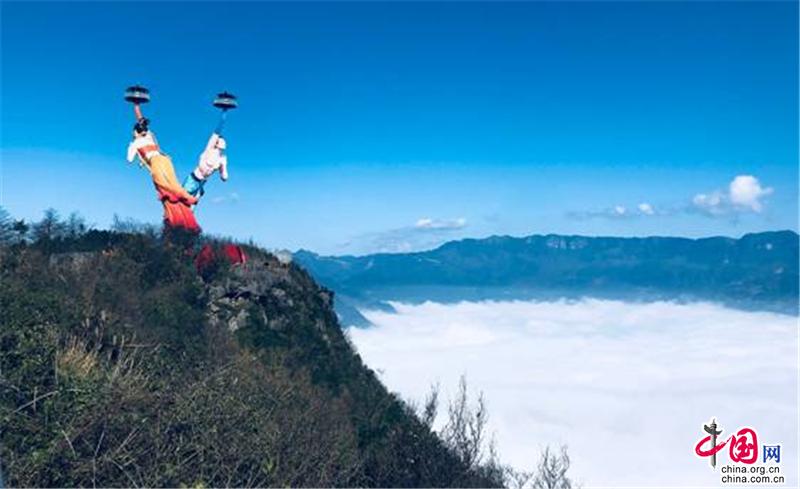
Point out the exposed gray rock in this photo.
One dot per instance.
(274, 291)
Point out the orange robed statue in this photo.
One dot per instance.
(177, 202)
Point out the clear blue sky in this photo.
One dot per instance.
(359, 121)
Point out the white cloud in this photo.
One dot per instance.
(425, 234)
(231, 197)
(745, 194)
(746, 191)
(626, 386)
(617, 212)
(428, 223)
(713, 203)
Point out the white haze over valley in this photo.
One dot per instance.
(627, 386)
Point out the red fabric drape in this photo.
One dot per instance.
(207, 255)
(234, 253)
(177, 213)
(204, 258)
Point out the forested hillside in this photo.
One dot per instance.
(120, 365)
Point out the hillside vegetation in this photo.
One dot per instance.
(121, 366)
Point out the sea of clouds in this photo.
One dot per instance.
(627, 386)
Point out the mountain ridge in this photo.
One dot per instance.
(757, 270)
(502, 237)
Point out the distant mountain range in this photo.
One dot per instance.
(756, 271)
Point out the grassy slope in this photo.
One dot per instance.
(119, 367)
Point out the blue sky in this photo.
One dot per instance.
(394, 126)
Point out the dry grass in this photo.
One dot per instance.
(76, 358)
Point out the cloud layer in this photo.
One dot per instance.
(627, 386)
